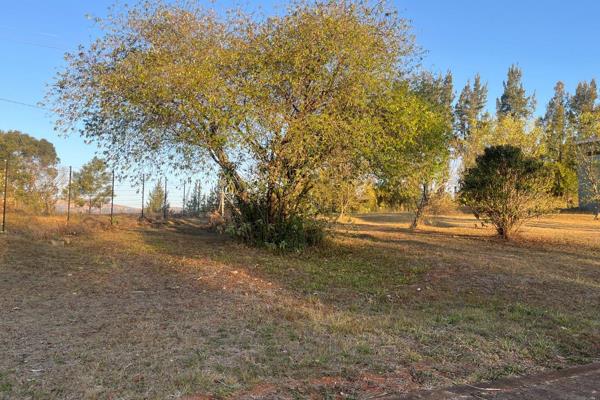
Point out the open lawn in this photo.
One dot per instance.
(178, 312)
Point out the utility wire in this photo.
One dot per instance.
(20, 103)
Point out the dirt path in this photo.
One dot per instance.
(579, 383)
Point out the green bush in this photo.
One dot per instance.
(254, 226)
(505, 188)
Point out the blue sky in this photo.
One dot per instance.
(550, 40)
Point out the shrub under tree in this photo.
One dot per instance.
(506, 187)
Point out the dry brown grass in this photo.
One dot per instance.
(137, 311)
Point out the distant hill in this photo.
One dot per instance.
(61, 207)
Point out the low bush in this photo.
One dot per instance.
(505, 188)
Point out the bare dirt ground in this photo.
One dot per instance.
(576, 383)
(175, 311)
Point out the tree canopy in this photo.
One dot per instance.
(272, 103)
(469, 107)
(506, 187)
(91, 185)
(514, 101)
(32, 170)
(409, 158)
(156, 200)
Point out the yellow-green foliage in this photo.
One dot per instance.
(285, 98)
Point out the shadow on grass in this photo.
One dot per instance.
(371, 267)
(429, 290)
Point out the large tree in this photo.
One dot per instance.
(271, 102)
(91, 185)
(33, 172)
(558, 136)
(514, 101)
(411, 155)
(469, 107)
(156, 204)
(581, 104)
(560, 144)
(469, 119)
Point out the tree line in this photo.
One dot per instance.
(310, 112)
(36, 182)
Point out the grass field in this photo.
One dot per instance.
(178, 312)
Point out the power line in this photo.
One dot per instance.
(20, 103)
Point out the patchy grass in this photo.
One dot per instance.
(137, 311)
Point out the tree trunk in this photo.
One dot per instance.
(342, 212)
(503, 232)
(420, 208)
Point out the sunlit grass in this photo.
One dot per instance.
(174, 310)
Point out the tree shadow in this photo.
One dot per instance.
(362, 266)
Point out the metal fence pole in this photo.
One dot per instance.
(165, 201)
(143, 189)
(69, 195)
(112, 198)
(5, 190)
(183, 206)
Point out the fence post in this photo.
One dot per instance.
(112, 197)
(5, 190)
(69, 194)
(143, 189)
(183, 206)
(165, 201)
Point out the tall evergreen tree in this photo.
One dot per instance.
(156, 200)
(514, 101)
(560, 143)
(92, 184)
(195, 202)
(438, 90)
(582, 102)
(470, 107)
(555, 123)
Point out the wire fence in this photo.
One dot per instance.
(67, 192)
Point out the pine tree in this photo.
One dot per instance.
(211, 201)
(437, 90)
(555, 125)
(91, 185)
(469, 107)
(514, 101)
(156, 200)
(583, 102)
(194, 204)
(560, 143)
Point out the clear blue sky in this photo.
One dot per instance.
(551, 40)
